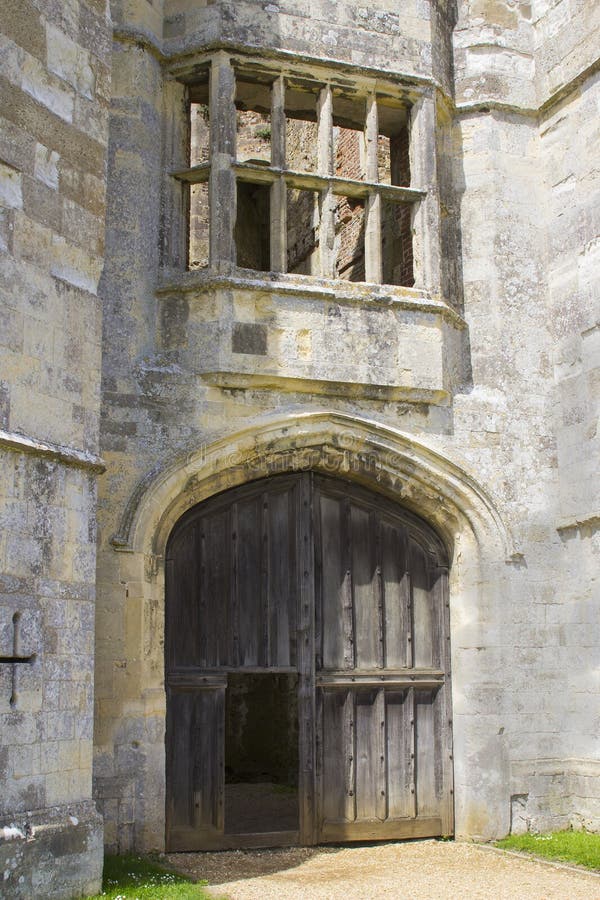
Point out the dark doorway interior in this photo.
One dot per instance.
(261, 753)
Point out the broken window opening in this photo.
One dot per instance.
(319, 206)
(350, 239)
(252, 226)
(301, 128)
(303, 221)
(198, 246)
(349, 159)
(199, 133)
(396, 244)
(253, 122)
(393, 145)
(199, 120)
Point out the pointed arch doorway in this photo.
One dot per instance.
(306, 669)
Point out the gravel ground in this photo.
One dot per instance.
(421, 870)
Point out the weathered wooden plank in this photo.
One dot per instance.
(182, 614)
(334, 591)
(379, 587)
(427, 744)
(264, 594)
(364, 590)
(370, 755)
(338, 800)
(396, 588)
(424, 631)
(391, 829)
(249, 547)
(179, 762)
(349, 754)
(399, 754)
(216, 584)
(209, 776)
(380, 678)
(444, 708)
(234, 617)
(195, 779)
(305, 649)
(282, 577)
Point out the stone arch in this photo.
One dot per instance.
(383, 459)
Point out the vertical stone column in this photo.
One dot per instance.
(174, 226)
(325, 163)
(426, 214)
(373, 264)
(222, 185)
(278, 189)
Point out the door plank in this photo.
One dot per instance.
(335, 586)
(390, 830)
(367, 636)
(424, 636)
(250, 562)
(338, 756)
(399, 753)
(182, 616)
(195, 782)
(215, 588)
(427, 739)
(396, 588)
(370, 755)
(305, 650)
(282, 578)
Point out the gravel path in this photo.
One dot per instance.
(421, 870)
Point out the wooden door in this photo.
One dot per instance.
(382, 670)
(238, 600)
(313, 578)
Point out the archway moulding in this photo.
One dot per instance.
(383, 458)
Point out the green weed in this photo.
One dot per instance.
(136, 878)
(578, 847)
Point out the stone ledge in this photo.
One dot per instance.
(290, 385)
(52, 854)
(387, 295)
(20, 443)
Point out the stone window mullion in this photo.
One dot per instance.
(373, 261)
(325, 169)
(222, 183)
(426, 213)
(278, 188)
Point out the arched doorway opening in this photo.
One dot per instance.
(307, 669)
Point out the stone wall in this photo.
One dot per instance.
(569, 135)
(492, 371)
(54, 91)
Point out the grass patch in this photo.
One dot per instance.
(137, 878)
(578, 847)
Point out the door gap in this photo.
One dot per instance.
(261, 753)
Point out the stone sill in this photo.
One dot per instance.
(361, 293)
(321, 387)
(20, 443)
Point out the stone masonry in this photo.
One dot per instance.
(54, 99)
(142, 373)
